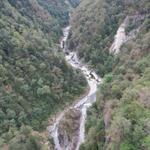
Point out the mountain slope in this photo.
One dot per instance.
(35, 80)
(122, 106)
(119, 120)
(93, 29)
(94, 24)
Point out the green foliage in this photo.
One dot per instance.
(25, 140)
(146, 142)
(74, 3)
(126, 146)
(143, 63)
(44, 90)
(122, 108)
(93, 33)
(35, 80)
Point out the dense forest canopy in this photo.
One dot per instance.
(119, 120)
(35, 80)
(94, 25)
(74, 3)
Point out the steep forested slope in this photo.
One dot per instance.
(94, 24)
(93, 32)
(35, 80)
(123, 104)
(119, 120)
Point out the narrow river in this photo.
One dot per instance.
(93, 80)
(83, 104)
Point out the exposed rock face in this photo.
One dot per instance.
(122, 35)
(68, 129)
(120, 38)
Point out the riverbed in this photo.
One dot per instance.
(82, 104)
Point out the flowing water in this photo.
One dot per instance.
(82, 104)
(93, 80)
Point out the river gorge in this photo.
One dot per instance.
(76, 113)
(80, 106)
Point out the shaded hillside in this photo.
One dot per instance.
(48, 15)
(35, 80)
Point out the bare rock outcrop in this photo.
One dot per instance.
(68, 129)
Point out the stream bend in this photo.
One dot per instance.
(83, 104)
